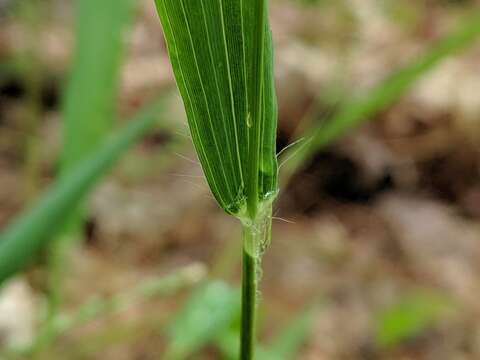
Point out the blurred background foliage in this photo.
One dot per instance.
(112, 248)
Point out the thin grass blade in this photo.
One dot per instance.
(286, 344)
(357, 111)
(88, 109)
(207, 313)
(32, 230)
(89, 102)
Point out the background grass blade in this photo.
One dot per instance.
(32, 230)
(207, 313)
(89, 106)
(286, 344)
(89, 103)
(357, 111)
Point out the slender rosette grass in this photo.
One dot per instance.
(221, 52)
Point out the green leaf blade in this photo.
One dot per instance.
(213, 61)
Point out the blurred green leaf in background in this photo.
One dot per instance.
(90, 98)
(359, 110)
(210, 316)
(32, 230)
(89, 106)
(285, 345)
(207, 313)
(410, 316)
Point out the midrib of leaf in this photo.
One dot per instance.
(255, 100)
(244, 52)
(230, 87)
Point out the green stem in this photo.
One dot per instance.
(249, 294)
(57, 258)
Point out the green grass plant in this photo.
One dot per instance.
(222, 57)
(89, 107)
